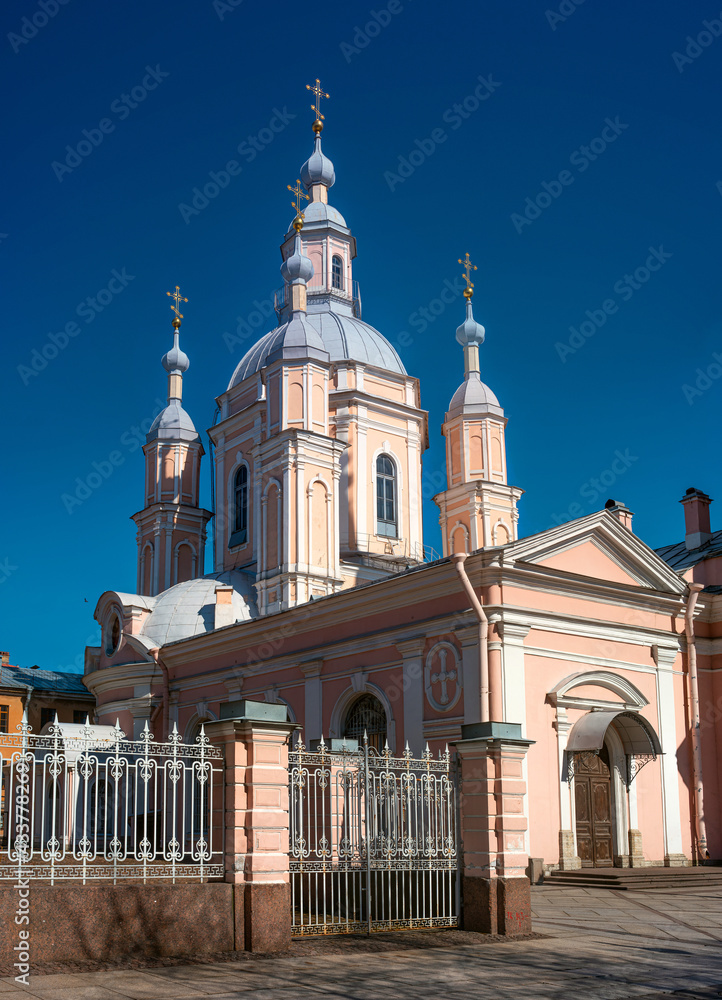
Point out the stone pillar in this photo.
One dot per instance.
(255, 737)
(568, 859)
(412, 651)
(313, 705)
(665, 658)
(495, 888)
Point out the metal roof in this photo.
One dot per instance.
(679, 557)
(58, 681)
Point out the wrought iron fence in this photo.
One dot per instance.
(87, 804)
(373, 840)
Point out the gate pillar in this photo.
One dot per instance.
(495, 889)
(255, 737)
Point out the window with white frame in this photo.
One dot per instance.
(386, 493)
(239, 535)
(337, 271)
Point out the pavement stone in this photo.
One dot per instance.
(598, 944)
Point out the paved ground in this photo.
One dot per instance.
(599, 945)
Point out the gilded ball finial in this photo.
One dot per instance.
(176, 323)
(298, 223)
(317, 126)
(469, 292)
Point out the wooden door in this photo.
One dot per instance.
(593, 798)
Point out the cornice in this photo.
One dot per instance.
(124, 675)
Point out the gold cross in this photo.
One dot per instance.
(176, 295)
(468, 267)
(299, 193)
(320, 93)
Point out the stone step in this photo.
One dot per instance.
(639, 878)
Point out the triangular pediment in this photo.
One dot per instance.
(599, 547)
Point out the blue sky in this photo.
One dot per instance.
(594, 152)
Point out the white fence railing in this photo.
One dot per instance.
(80, 803)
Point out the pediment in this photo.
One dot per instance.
(598, 547)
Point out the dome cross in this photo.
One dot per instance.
(298, 193)
(468, 268)
(316, 108)
(176, 295)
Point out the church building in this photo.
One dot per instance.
(605, 654)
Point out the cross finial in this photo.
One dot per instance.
(298, 194)
(178, 298)
(316, 108)
(468, 268)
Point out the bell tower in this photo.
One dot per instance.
(171, 526)
(478, 508)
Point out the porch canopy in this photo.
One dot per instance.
(636, 734)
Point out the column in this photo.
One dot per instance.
(412, 651)
(568, 858)
(255, 821)
(313, 704)
(469, 638)
(493, 815)
(673, 850)
(513, 671)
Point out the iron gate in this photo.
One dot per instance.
(373, 840)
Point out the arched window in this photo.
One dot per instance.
(366, 715)
(240, 507)
(386, 519)
(337, 271)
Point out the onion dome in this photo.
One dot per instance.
(297, 268)
(318, 169)
(470, 332)
(175, 360)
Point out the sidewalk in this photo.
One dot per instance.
(601, 945)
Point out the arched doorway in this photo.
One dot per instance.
(366, 715)
(593, 806)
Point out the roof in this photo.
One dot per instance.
(679, 557)
(344, 337)
(57, 681)
(189, 608)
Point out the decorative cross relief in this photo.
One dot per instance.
(442, 677)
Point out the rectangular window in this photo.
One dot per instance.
(46, 715)
(79, 716)
(386, 507)
(4, 718)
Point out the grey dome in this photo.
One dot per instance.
(173, 423)
(474, 397)
(318, 214)
(345, 338)
(175, 360)
(470, 332)
(318, 169)
(189, 608)
(297, 267)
